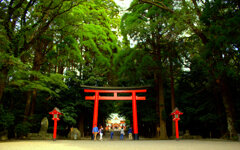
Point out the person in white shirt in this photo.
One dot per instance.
(101, 133)
(121, 134)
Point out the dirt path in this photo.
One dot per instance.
(120, 145)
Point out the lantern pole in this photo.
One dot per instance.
(176, 126)
(55, 129)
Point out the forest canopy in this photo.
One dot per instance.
(187, 51)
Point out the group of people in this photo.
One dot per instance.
(99, 131)
(95, 131)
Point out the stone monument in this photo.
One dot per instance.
(187, 135)
(4, 135)
(42, 134)
(74, 134)
(44, 127)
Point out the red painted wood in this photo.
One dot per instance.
(178, 113)
(176, 127)
(134, 110)
(114, 91)
(95, 111)
(55, 111)
(55, 129)
(115, 98)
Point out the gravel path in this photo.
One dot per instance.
(120, 145)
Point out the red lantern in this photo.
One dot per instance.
(176, 116)
(55, 112)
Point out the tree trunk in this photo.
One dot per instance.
(3, 79)
(28, 104)
(163, 131)
(172, 94)
(229, 108)
(157, 103)
(34, 99)
(37, 61)
(81, 124)
(218, 104)
(55, 68)
(49, 68)
(60, 68)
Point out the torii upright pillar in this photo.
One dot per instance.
(115, 96)
(95, 111)
(134, 111)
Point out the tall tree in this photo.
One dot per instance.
(23, 23)
(147, 25)
(220, 20)
(218, 55)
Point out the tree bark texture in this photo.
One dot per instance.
(3, 79)
(28, 95)
(229, 108)
(37, 62)
(163, 130)
(172, 94)
(157, 103)
(34, 99)
(218, 101)
(60, 68)
(81, 124)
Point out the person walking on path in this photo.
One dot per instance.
(101, 133)
(130, 133)
(121, 134)
(112, 133)
(95, 131)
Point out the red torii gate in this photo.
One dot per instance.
(115, 91)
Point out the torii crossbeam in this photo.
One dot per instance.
(115, 91)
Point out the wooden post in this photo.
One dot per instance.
(95, 111)
(134, 110)
(55, 129)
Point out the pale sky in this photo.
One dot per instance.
(123, 3)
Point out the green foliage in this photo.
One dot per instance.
(221, 20)
(195, 97)
(45, 82)
(22, 129)
(69, 114)
(211, 118)
(55, 46)
(6, 119)
(147, 113)
(9, 61)
(131, 65)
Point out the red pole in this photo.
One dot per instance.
(55, 129)
(176, 126)
(134, 109)
(95, 112)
